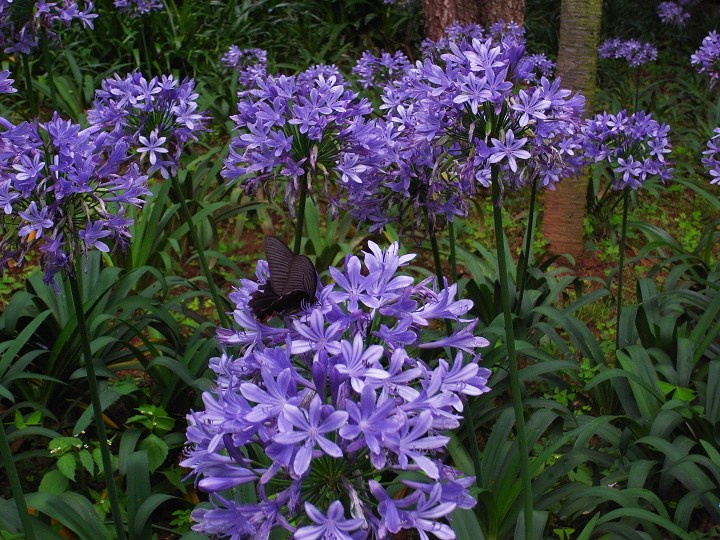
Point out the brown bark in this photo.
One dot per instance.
(577, 67)
(492, 11)
(439, 14)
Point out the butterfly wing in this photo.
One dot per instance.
(279, 258)
(302, 277)
(293, 281)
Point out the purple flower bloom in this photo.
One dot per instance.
(375, 71)
(20, 34)
(634, 52)
(307, 128)
(6, 83)
(707, 58)
(156, 116)
(634, 146)
(65, 189)
(333, 526)
(711, 161)
(672, 13)
(138, 8)
(321, 394)
(249, 63)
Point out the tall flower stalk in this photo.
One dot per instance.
(103, 442)
(634, 146)
(515, 386)
(65, 191)
(156, 118)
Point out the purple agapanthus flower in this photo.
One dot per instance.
(707, 58)
(20, 27)
(634, 145)
(473, 103)
(310, 128)
(340, 413)
(6, 83)
(65, 191)
(155, 117)
(711, 159)
(249, 63)
(672, 13)
(633, 51)
(374, 71)
(138, 8)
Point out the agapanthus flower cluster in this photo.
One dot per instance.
(634, 52)
(6, 83)
(634, 146)
(338, 418)
(374, 71)
(138, 8)
(672, 13)
(302, 128)
(711, 161)
(156, 117)
(707, 58)
(449, 122)
(22, 21)
(64, 190)
(249, 63)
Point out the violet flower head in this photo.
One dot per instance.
(6, 83)
(340, 403)
(375, 71)
(249, 63)
(707, 58)
(138, 8)
(711, 159)
(309, 128)
(634, 146)
(21, 23)
(471, 105)
(156, 118)
(672, 13)
(64, 191)
(633, 51)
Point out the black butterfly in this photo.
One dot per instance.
(292, 283)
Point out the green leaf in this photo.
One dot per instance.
(66, 464)
(54, 482)
(466, 525)
(87, 461)
(157, 450)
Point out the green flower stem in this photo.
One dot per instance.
(524, 263)
(29, 91)
(436, 259)
(48, 67)
(15, 486)
(623, 237)
(453, 255)
(470, 421)
(515, 388)
(637, 90)
(300, 221)
(95, 399)
(201, 254)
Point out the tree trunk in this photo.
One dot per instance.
(577, 67)
(439, 14)
(492, 11)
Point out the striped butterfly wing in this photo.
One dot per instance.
(279, 258)
(293, 281)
